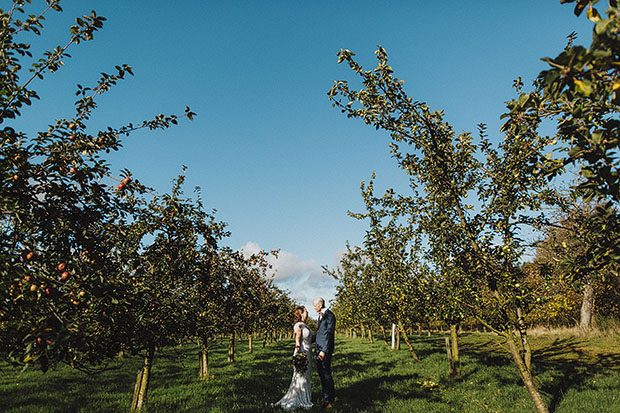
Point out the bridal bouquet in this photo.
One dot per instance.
(300, 362)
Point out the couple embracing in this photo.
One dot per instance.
(299, 394)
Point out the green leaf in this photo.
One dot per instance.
(593, 15)
(597, 137)
(583, 86)
(575, 151)
(601, 26)
(586, 173)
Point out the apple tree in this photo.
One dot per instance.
(176, 238)
(64, 269)
(352, 305)
(579, 92)
(481, 238)
(244, 290)
(580, 283)
(390, 247)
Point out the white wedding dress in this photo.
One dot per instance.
(299, 394)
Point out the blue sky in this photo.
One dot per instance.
(281, 166)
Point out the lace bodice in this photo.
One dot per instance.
(306, 336)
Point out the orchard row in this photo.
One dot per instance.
(91, 267)
(453, 249)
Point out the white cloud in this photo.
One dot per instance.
(250, 248)
(304, 280)
(337, 256)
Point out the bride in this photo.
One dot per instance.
(299, 393)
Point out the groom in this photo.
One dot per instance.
(325, 349)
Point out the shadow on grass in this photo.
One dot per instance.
(356, 391)
(65, 390)
(368, 377)
(573, 373)
(558, 366)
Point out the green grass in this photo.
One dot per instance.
(575, 374)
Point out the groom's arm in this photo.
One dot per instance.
(326, 345)
(321, 340)
(332, 330)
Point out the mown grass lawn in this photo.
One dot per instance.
(575, 374)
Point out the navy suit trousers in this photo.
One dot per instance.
(324, 368)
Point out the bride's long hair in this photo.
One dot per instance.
(298, 312)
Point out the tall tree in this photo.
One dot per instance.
(176, 237)
(63, 267)
(390, 247)
(569, 254)
(580, 92)
(481, 237)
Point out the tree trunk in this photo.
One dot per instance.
(526, 376)
(249, 343)
(141, 388)
(370, 335)
(449, 353)
(231, 348)
(525, 344)
(587, 307)
(454, 338)
(363, 331)
(383, 333)
(402, 331)
(203, 358)
(393, 336)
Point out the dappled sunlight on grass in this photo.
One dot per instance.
(574, 374)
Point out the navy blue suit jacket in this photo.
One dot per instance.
(325, 333)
